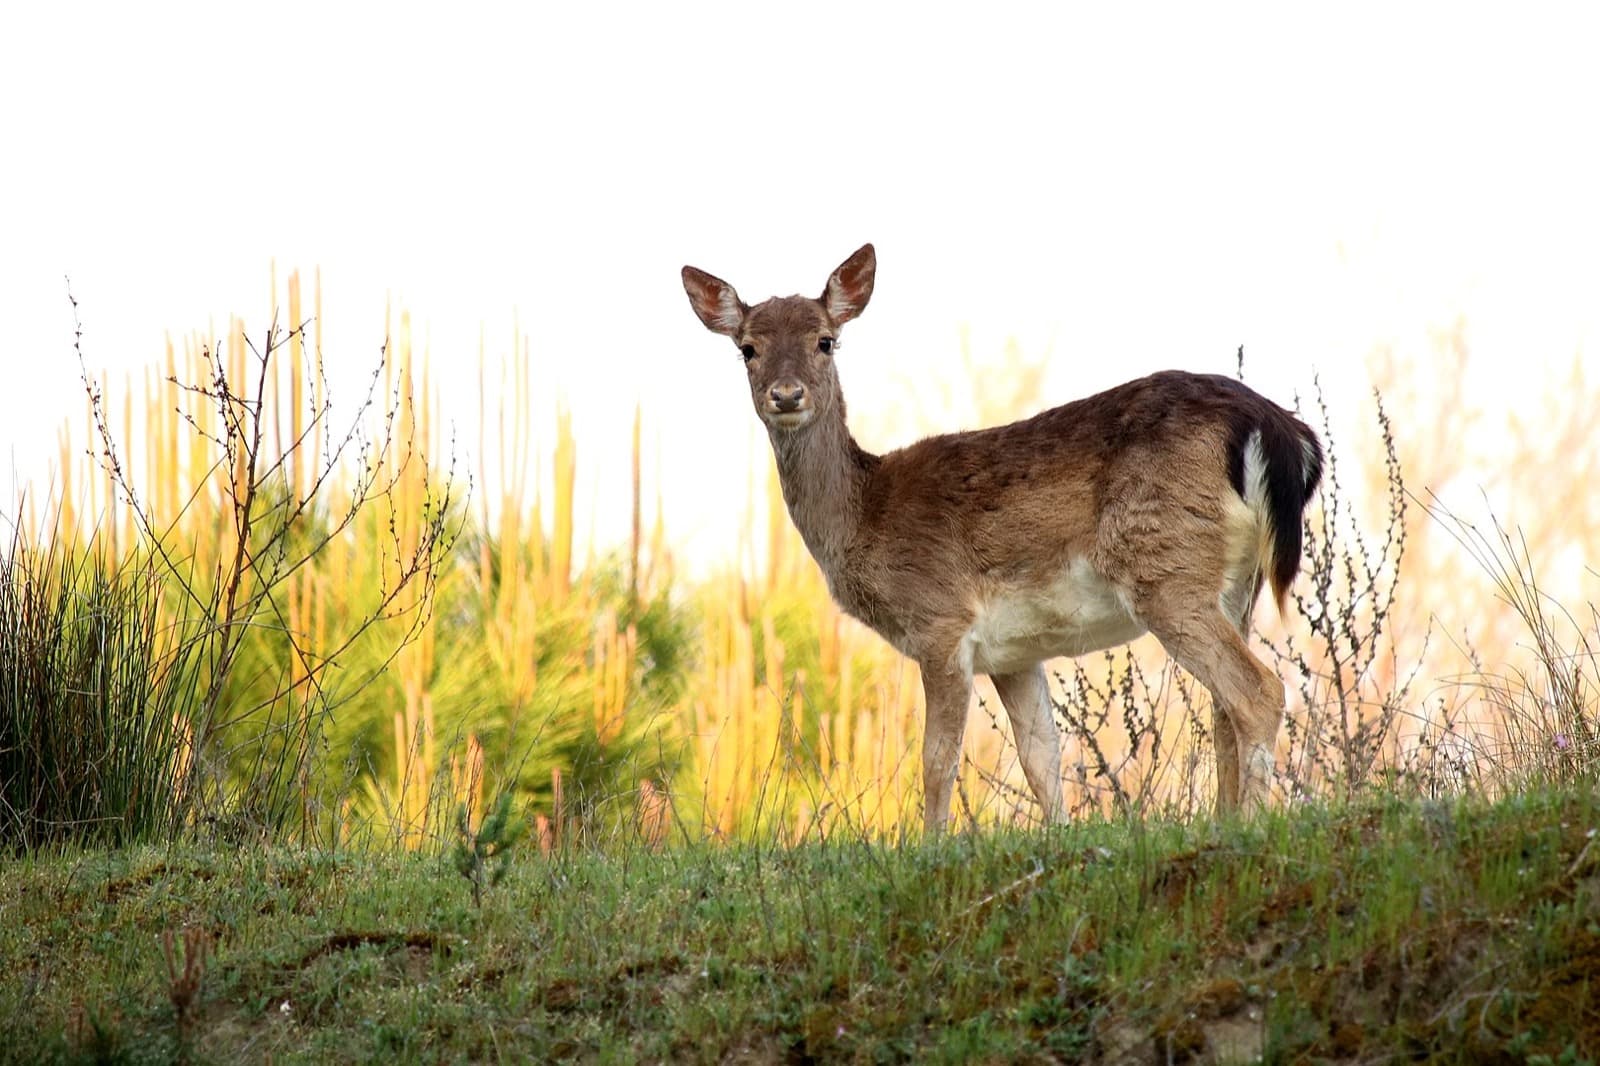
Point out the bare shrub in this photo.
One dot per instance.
(233, 556)
(1353, 692)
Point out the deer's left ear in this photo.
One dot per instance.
(850, 286)
(714, 300)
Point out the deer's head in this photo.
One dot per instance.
(788, 342)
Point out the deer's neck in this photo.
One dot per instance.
(824, 473)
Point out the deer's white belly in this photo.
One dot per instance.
(1077, 613)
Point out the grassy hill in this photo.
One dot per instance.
(1398, 929)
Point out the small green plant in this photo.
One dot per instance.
(483, 857)
(185, 969)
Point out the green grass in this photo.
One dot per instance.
(94, 692)
(1389, 929)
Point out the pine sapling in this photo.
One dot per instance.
(483, 857)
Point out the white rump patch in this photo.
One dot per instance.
(1078, 612)
(1249, 535)
(1255, 473)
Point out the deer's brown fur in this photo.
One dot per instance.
(1160, 505)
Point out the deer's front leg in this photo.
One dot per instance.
(947, 691)
(1026, 698)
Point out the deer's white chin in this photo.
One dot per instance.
(787, 420)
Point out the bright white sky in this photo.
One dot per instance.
(1123, 187)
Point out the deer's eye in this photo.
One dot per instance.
(825, 345)
(748, 351)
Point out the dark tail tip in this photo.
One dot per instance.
(1293, 457)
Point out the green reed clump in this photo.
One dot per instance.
(95, 694)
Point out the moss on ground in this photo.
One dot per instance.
(1463, 932)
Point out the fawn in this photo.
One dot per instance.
(1161, 505)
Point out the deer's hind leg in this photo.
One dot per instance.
(1238, 603)
(1187, 561)
(1226, 742)
(1247, 698)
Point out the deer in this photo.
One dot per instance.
(1162, 505)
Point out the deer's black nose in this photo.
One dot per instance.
(788, 395)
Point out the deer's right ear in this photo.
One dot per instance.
(714, 301)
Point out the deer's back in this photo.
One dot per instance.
(1119, 480)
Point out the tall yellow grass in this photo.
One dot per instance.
(793, 718)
